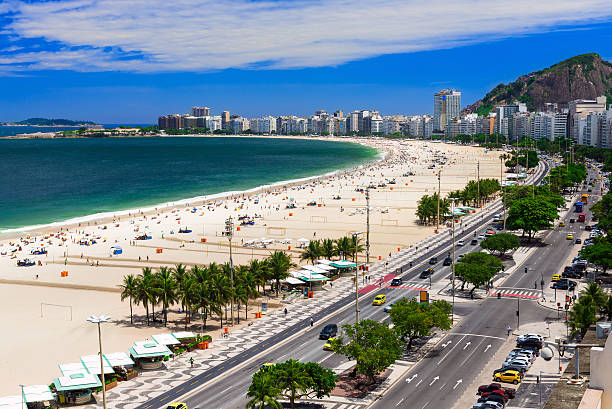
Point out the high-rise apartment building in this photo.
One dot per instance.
(447, 105)
(225, 120)
(200, 111)
(578, 110)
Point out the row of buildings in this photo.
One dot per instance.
(362, 122)
(587, 122)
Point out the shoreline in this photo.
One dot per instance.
(111, 216)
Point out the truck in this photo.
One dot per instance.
(582, 217)
(578, 206)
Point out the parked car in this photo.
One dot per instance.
(433, 260)
(571, 273)
(488, 388)
(564, 284)
(520, 362)
(588, 227)
(329, 331)
(396, 282)
(556, 277)
(508, 376)
(519, 369)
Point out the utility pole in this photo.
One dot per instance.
(356, 285)
(438, 217)
(229, 232)
(367, 193)
(518, 312)
(478, 185)
(452, 199)
(501, 182)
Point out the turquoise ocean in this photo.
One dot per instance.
(44, 181)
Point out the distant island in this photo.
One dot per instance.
(48, 122)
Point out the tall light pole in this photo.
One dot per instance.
(356, 280)
(367, 195)
(100, 320)
(478, 184)
(22, 397)
(438, 217)
(229, 232)
(452, 199)
(501, 182)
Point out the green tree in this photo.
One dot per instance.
(501, 242)
(356, 246)
(263, 392)
(328, 249)
(412, 320)
(166, 289)
(343, 247)
(312, 252)
(292, 379)
(146, 289)
(531, 215)
(220, 290)
(322, 380)
(259, 270)
(599, 254)
(582, 315)
(602, 211)
(129, 289)
(477, 268)
(596, 294)
(372, 344)
(607, 308)
(279, 264)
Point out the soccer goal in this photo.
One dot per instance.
(276, 231)
(389, 222)
(56, 311)
(318, 219)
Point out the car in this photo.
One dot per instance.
(327, 346)
(521, 352)
(531, 335)
(461, 243)
(177, 405)
(267, 366)
(571, 274)
(588, 227)
(329, 331)
(490, 233)
(488, 388)
(388, 307)
(433, 260)
(379, 299)
(520, 362)
(495, 397)
(426, 273)
(522, 356)
(510, 376)
(561, 224)
(481, 237)
(563, 285)
(518, 369)
(570, 236)
(396, 282)
(556, 277)
(447, 261)
(474, 242)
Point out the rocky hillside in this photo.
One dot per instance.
(583, 76)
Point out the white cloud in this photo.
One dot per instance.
(200, 35)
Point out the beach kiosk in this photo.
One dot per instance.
(76, 388)
(38, 396)
(185, 337)
(122, 364)
(345, 267)
(149, 354)
(12, 402)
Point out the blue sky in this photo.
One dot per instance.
(115, 61)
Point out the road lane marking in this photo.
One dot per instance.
(418, 383)
(425, 405)
(472, 353)
(457, 384)
(451, 350)
(434, 380)
(475, 335)
(180, 389)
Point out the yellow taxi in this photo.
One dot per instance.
(561, 224)
(177, 405)
(570, 236)
(328, 346)
(267, 366)
(509, 376)
(379, 300)
(556, 277)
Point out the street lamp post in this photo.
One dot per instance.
(22, 397)
(453, 199)
(367, 195)
(501, 182)
(438, 217)
(100, 320)
(356, 281)
(478, 184)
(229, 232)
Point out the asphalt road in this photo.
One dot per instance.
(440, 377)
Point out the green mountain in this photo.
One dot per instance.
(584, 76)
(53, 122)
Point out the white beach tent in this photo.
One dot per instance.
(12, 402)
(38, 393)
(92, 363)
(314, 269)
(165, 339)
(73, 368)
(119, 359)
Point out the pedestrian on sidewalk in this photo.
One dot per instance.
(285, 312)
(191, 361)
(311, 322)
(509, 330)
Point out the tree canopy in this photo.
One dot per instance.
(372, 344)
(477, 268)
(532, 214)
(501, 242)
(413, 320)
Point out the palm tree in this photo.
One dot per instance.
(202, 294)
(220, 288)
(356, 246)
(241, 294)
(279, 264)
(187, 295)
(312, 252)
(263, 393)
(129, 289)
(328, 249)
(582, 315)
(146, 289)
(596, 293)
(292, 378)
(607, 308)
(180, 274)
(259, 271)
(166, 286)
(343, 247)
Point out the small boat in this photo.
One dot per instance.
(26, 263)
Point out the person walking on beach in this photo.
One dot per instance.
(285, 312)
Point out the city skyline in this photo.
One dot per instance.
(46, 71)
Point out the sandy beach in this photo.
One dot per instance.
(44, 312)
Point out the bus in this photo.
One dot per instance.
(585, 198)
(581, 217)
(578, 206)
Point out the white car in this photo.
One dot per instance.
(524, 336)
(461, 243)
(481, 237)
